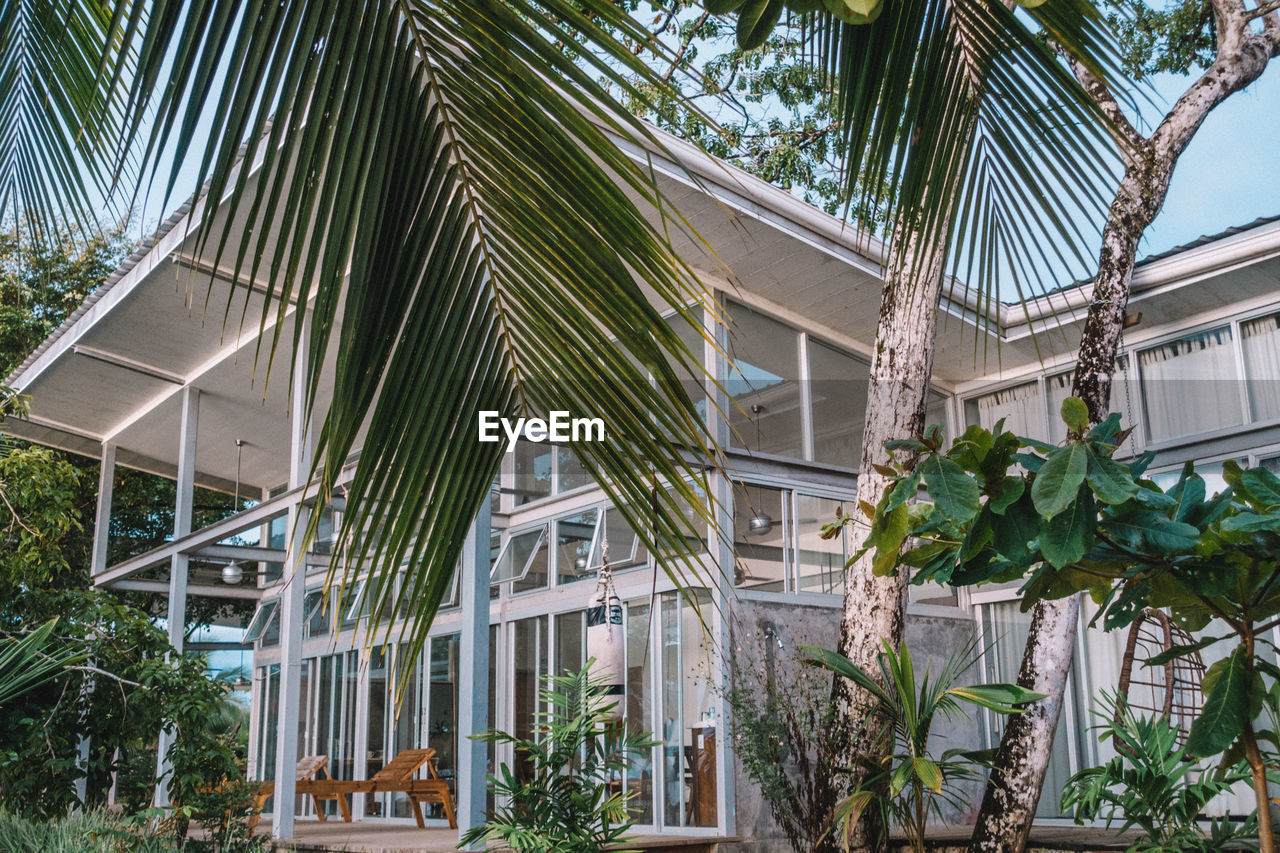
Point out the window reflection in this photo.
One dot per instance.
(763, 381)
(819, 562)
(838, 390)
(759, 538)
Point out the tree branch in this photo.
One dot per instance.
(1263, 10)
(1121, 129)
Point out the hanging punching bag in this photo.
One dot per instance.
(605, 642)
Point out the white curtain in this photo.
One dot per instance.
(1059, 388)
(1021, 407)
(1190, 386)
(1261, 342)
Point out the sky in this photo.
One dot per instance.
(1230, 173)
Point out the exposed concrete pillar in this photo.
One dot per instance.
(182, 514)
(473, 674)
(292, 596)
(102, 519)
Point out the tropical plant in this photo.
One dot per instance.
(786, 737)
(1154, 784)
(572, 794)
(1069, 519)
(26, 662)
(902, 778)
(95, 831)
(1223, 38)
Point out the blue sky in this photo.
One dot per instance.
(1230, 173)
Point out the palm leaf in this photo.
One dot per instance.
(458, 228)
(962, 118)
(27, 662)
(60, 115)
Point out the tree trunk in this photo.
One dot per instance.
(1013, 791)
(896, 400)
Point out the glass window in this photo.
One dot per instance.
(819, 562)
(537, 569)
(375, 749)
(1021, 407)
(1210, 472)
(518, 555)
(935, 413)
(269, 677)
(403, 698)
(532, 471)
(1272, 465)
(759, 538)
(262, 617)
(571, 642)
(640, 779)
(442, 712)
(351, 602)
(689, 721)
(625, 548)
(1190, 386)
(529, 673)
(838, 391)
(763, 381)
(318, 615)
(1059, 389)
(575, 536)
(1260, 340)
(569, 471)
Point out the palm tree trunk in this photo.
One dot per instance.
(896, 399)
(1013, 791)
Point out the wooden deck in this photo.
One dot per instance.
(334, 836)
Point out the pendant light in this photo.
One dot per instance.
(233, 572)
(760, 523)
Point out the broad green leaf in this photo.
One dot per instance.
(722, 7)
(1015, 533)
(1009, 489)
(929, 774)
(756, 21)
(1111, 482)
(893, 533)
(1249, 522)
(1067, 537)
(1181, 651)
(953, 490)
(1075, 414)
(1058, 480)
(842, 666)
(1000, 697)
(903, 490)
(1225, 706)
(1262, 486)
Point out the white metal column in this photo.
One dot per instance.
(721, 544)
(182, 512)
(292, 598)
(102, 519)
(473, 674)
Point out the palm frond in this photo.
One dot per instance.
(963, 118)
(60, 115)
(27, 662)
(448, 212)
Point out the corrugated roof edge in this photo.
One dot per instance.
(1202, 240)
(101, 290)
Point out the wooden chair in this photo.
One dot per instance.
(309, 768)
(396, 776)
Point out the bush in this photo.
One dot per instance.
(573, 799)
(89, 832)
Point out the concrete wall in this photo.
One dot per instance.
(783, 626)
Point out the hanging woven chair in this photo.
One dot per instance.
(1171, 689)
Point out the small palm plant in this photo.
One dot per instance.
(572, 799)
(1152, 784)
(899, 776)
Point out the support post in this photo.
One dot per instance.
(292, 598)
(473, 674)
(102, 519)
(182, 513)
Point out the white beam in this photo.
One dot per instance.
(291, 606)
(102, 519)
(182, 512)
(473, 674)
(245, 593)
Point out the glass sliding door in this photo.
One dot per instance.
(688, 714)
(529, 640)
(442, 713)
(269, 678)
(639, 713)
(376, 729)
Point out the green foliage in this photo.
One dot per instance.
(1082, 522)
(97, 831)
(787, 736)
(570, 799)
(25, 662)
(1154, 784)
(903, 780)
(1178, 38)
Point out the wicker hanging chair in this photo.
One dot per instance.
(1171, 689)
